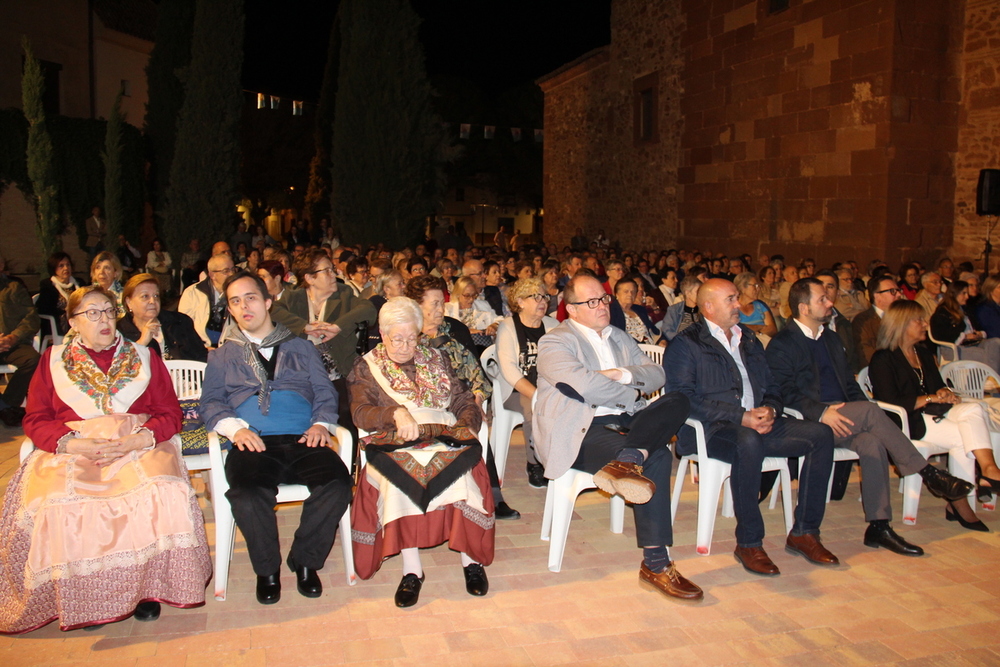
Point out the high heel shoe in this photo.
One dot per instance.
(993, 484)
(951, 514)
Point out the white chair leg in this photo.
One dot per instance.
(345, 544)
(562, 514)
(709, 485)
(678, 487)
(728, 510)
(775, 488)
(550, 499)
(500, 439)
(785, 479)
(911, 498)
(225, 536)
(617, 515)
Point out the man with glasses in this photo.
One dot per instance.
(20, 323)
(203, 301)
(268, 392)
(593, 414)
(882, 291)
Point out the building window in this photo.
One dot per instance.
(645, 93)
(126, 88)
(775, 6)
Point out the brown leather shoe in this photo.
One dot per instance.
(625, 480)
(756, 561)
(810, 548)
(669, 582)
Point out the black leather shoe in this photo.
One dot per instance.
(269, 588)
(307, 581)
(882, 535)
(944, 485)
(147, 611)
(505, 512)
(476, 582)
(536, 476)
(408, 591)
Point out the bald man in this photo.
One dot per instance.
(203, 301)
(720, 366)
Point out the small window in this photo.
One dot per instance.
(126, 88)
(775, 6)
(645, 115)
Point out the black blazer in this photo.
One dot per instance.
(797, 373)
(183, 342)
(944, 327)
(894, 381)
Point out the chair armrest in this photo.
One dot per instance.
(699, 436)
(899, 412)
(792, 412)
(345, 446)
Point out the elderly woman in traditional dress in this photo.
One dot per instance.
(425, 482)
(517, 353)
(100, 522)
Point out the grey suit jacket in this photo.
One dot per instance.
(570, 389)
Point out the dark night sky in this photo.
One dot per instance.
(495, 43)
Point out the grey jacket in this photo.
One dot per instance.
(570, 389)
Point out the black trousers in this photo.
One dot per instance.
(650, 429)
(26, 360)
(253, 486)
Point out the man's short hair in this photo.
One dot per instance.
(875, 284)
(801, 292)
(926, 277)
(257, 281)
(356, 264)
(826, 273)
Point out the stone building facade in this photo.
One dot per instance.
(833, 129)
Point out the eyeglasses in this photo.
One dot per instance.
(537, 297)
(328, 269)
(592, 303)
(95, 315)
(401, 342)
(892, 290)
(225, 272)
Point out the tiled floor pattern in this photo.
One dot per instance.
(876, 608)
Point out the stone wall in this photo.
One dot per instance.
(978, 124)
(596, 175)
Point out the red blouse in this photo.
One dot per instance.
(47, 414)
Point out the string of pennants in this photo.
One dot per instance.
(265, 101)
(489, 131)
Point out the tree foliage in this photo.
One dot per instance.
(388, 146)
(204, 173)
(40, 159)
(165, 75)
(318, 195)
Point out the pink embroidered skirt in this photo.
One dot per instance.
(86, 545)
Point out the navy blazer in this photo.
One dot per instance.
(698, 366)
(797, 372)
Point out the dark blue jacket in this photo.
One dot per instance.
(618, 318)
(988, 315)
(797, 373)
(698, 366)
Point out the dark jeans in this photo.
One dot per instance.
(746, 450)
(650, 429)
(253, 486)
(26, 360)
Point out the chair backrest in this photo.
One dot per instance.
(941, 347)
(655, 353)
(864, 382)
(968, 378)
(187, 377)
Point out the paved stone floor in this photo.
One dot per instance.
(876, 608)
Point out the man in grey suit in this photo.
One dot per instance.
(591, 415)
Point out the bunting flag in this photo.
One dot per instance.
(515, 133)
(296, 107)
(488, 131)
(464, 130)
(260, 100)
(275, 100)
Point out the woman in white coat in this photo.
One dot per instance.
(517, 352)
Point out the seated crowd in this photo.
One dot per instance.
(305, 337)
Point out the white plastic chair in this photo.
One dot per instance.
(959, 464)
(713, 474)
(504, 420)
(655, 353)
(839, 454)
(956, 353)
(53, 339)
(968, 378)
(560, 499)
(187, 378)
(225, 525)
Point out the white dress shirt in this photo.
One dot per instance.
(732, 345)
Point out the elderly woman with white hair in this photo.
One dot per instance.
(424, 483)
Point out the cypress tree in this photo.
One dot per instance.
(204, 173)
(114, 192)
(41, 165)
(165, 74)
(388, 146)
(318, 194)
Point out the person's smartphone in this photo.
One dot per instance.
(617, 428)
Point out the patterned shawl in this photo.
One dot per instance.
(429, 389)
(91, 380)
